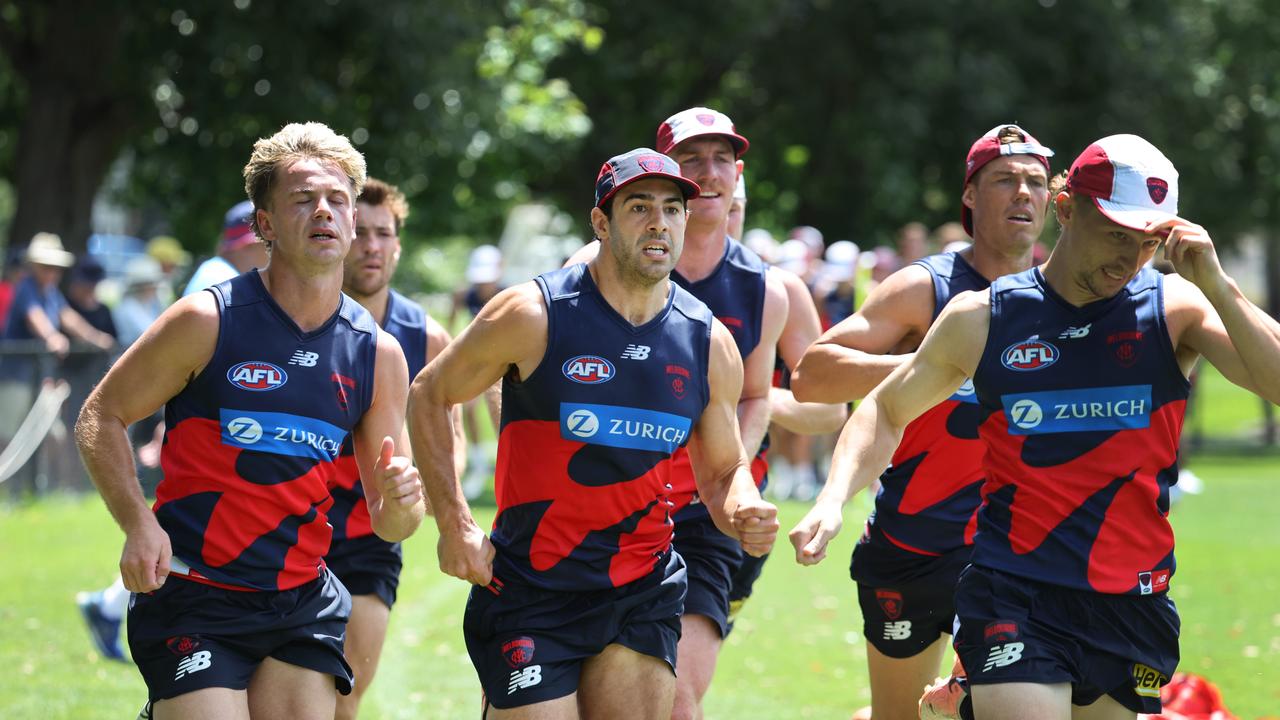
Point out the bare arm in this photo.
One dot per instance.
(438, 337)
(720, 464)
(509, 333)
(1212, 317)
(155, 368)
(757, 368)
(798, 333)
(850, 359)
(77, 326)
(43, 329)
(950, 353)
(392, 487)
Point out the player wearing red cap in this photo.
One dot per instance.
(608, 369)
(919, 537)
(1080, 370)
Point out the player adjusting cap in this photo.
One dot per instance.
(1131, 182)
(989, 147)
(699, 121)
(638, 164)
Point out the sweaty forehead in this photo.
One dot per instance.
(312, 173)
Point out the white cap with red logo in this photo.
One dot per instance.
(698, 121)
(1130, 180)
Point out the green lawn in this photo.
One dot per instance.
(797, 652)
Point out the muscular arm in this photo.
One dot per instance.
(757, 368)
(509, 333)
(155, 368)
(850, 359)
(392, 487)
(950, 353)
(720, 464)
(1213, 318)
(438, 337)
(798, 333)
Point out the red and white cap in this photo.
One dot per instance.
(1129, 179)
(698, 121)
(988, 148)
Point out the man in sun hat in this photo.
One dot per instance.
(1079, 368)
(608, 368)
(919, 538)
(239, 251)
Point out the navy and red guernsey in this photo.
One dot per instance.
(1086, 410)
(584, 456)
(407, 323)
(931, 489)
(251, 443)
(735, 293)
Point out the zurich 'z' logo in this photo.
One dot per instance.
(257, 376)
(588, 369)
(1030, 354)
(623, 427)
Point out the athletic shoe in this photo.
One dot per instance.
(941, 700)
(104, 631)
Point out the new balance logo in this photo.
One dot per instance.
(193, 663)
(900, 630)
(1002, 655)
(1075, 333)
(636, 352)
(525, 678)
(304, 359)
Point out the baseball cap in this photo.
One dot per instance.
(841, 260)
(237, 226)
(638, 164)
(1131, 182)
(699, 121)
(988, 148)
(484, 265)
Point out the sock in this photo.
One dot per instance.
(115, 600)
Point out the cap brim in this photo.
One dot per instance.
(1134, 218)
(688, 188)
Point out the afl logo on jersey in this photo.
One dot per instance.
(588, 369)
(1031, 354)
(257, 376)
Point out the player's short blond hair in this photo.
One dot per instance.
(379, 193)
(299, 141)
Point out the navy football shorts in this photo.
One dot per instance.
(907, 599)
(742, 583)
(1017, 630)
(367, 565)
(528, 644)
(712, 558)
(189, 636)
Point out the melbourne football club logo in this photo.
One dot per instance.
(651, 163)
(1158, 189)
(588, 369)
(1030, 354)
(890, 602)
(706, 119)
(1000, 631)
(257, 376)
(1125, 346)
(182, 645)
(518, 652)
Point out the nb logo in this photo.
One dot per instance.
(304, 358)
(900, 630)
(1002, 655)
(193, 663)
(583, 423)
(525, 678)
(1026, 414)
(245, 429)
(636, 352)
(1075, 333)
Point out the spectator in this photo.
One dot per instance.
(8, 282)
(173, 260)
(82, 295)
(141, 303)
(912, 242)
(239, 251)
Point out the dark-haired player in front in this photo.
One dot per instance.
(1080, 369)
(263, 378)
(920, 535)
(607, 369)
(366, 564)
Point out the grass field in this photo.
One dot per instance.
(796, 653)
